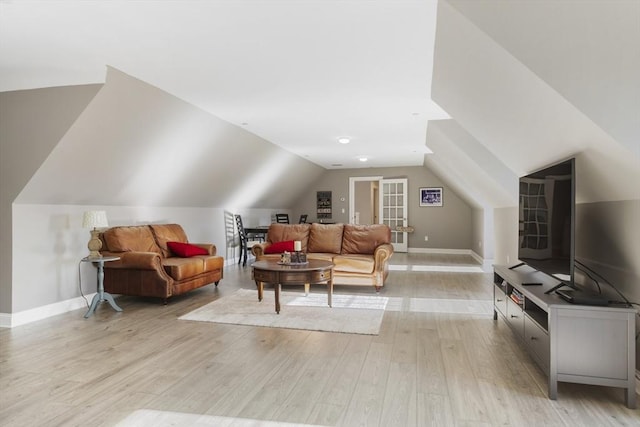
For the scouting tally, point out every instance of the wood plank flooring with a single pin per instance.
(423, 369)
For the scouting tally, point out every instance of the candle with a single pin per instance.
(297, 246)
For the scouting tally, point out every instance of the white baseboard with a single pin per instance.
(439, 251)
(487, 264)
(11, 320)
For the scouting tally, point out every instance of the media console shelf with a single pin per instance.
(571, 343)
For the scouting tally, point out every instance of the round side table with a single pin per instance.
(101, 295)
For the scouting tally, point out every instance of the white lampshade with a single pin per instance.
(95, 219)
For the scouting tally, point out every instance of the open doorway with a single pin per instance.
(375, 200)
(364, 200)
(367, 210)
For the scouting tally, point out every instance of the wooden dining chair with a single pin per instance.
(245, 243)
(282, 218)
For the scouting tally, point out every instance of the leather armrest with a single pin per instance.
(135, 260)
(382, 254)
(258, 249)
(208, 246)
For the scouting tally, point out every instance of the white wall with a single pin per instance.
(31, 124)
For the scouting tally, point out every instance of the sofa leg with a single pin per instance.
(216, 283)
(165, 301)
(377, 288)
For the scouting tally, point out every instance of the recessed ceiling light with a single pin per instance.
(362, 159)
(344, 140)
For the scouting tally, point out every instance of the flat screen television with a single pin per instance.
(546, 227)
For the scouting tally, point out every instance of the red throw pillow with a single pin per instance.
(186, 250)
(279, 247)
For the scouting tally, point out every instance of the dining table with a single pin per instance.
(260, 231)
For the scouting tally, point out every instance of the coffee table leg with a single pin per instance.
(277, 293)
(260, 286)
(330, 291)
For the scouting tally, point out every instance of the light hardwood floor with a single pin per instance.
(424, 368)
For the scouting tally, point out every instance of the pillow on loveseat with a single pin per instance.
(279, 247)
(168, 233)
(325, 238)
(186, 250)
(130, 239)
(364, 239)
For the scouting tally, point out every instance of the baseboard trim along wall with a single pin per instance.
(10, 320)
(487, 264)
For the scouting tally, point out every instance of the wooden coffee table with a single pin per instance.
(311, 273)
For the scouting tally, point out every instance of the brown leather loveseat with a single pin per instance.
(360, 253)
(149, 267)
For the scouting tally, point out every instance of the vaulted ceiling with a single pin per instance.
(525, 83)
(299, 74)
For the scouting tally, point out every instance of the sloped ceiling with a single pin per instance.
(588, 51)
(527, 83)
(521, 119)
(468, 167)
(135, 145)
(297, 73)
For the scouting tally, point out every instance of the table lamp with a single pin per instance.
(94, 220)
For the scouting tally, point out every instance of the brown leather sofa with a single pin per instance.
(147, 267)
(360, 253)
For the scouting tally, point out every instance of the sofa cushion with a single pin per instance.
(279, 247)
(185, 250)
(213, 262)
(183, 268)
(131, 239)
(284, 232)
(364, 239)
(325, 238)
(168, 233)
(354, 263)
(320, 256)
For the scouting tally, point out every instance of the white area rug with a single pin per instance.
(153, 418)
(354, 314)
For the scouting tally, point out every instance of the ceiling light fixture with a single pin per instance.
(344, 140)
(362, 159)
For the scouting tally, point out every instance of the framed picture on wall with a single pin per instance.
(431, 196)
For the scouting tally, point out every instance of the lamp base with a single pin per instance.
(94, 245)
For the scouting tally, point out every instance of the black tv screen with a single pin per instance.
(547, 220)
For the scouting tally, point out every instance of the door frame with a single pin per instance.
(352, 191)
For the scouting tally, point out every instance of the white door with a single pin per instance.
(393, 210)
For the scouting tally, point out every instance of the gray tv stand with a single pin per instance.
(571, 343)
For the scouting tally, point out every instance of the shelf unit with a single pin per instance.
(571, 343)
